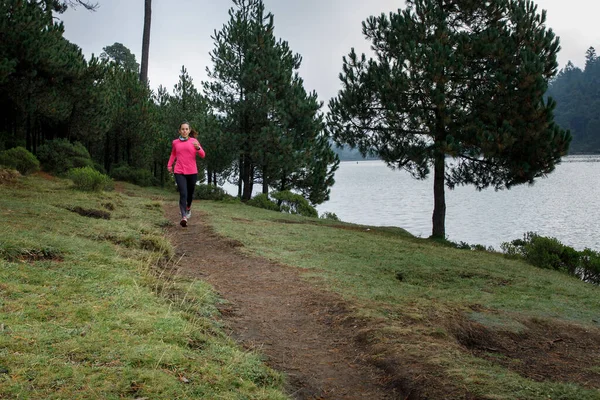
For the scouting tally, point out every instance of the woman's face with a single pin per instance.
(184, 130)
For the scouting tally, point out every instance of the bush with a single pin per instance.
(262, 201)
(88, 179)
(550, 253)
(294, 204)
(330, 216)
(59, 156)
(140, 177)
(589, 269)
(462, 245)
(543, 252)
(209, 192)
(20, 159)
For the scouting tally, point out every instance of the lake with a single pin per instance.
(563, 205)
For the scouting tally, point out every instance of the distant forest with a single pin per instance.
(577, 94)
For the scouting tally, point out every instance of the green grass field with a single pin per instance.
(90, 308)
(87, 310)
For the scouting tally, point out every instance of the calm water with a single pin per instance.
(563, 205)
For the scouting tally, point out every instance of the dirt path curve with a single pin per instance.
(305, 333)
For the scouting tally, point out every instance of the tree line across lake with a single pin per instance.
(457, 80)
(577, 93)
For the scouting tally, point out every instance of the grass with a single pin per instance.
(422, 295)
(90, 308)
(363, 264)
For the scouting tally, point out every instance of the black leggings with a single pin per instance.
(186, 185)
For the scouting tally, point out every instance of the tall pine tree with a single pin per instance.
(455, 86)
(255, 87)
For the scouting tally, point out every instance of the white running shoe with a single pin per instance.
(183, 222)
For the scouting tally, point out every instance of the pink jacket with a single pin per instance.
(185, 153)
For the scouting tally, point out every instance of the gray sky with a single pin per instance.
(322, 31)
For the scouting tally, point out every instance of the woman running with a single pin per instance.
(184, 151)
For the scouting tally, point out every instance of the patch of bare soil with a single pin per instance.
(89, 212)
(304, 332)
(544, 351)
(8, 176)
(45, 175)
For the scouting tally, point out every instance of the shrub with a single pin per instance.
(20, 159)
(231, 199)
(330, 216)
(544, 252)
(462, 245)
(589, 266)
(137, 176)
(209, 192)
(88, 179)
(59, 156)
(294, 204)
(262, 201)
(550, 253)
(480, 247)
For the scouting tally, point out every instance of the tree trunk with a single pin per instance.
(248, 180)
(146, 41)
(240, 175)
(439, 197)
(283, 183)
(439, 165)
(265, 184)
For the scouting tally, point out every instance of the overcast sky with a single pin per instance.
(321, 31)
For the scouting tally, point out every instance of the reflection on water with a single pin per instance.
(562, 205)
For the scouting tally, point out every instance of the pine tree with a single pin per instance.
(255, 86)
(39, 73)
(231, 90)
(462, 80)
(190, 104)
(128, 141)
(120, 55)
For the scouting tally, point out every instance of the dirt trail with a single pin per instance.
(305, 333)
